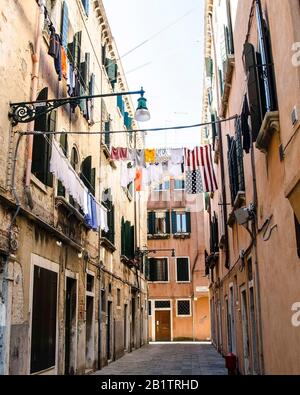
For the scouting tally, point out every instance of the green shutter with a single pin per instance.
(77, 49)
(168, 230)
(112, 70)
(188, 222)
(86, 172)
(132, 249)
(122, 236)
(65, 25)
(120, 104)
(174, 222)
(151, 222)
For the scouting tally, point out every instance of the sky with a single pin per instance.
(169, 66)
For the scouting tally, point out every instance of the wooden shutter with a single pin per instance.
(77, 49)
(112, 70)
(85, 72)
(122, 236)
(132, 251)
(65, 25)
(39, 141)
(120, 104)
(168, 229)
(86, 172)
(253, 89)
(93, 181)
(151, 222)
(174, 222)
(188, 222)
(86, 6)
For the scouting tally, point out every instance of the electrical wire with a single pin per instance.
(157, 33)
(136, 130)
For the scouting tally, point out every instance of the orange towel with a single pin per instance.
(64, 63)
(138, 179)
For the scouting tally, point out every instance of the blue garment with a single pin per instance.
(95, 224)
(89, 216)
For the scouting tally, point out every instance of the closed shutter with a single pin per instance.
(168, 229)
(93, 181)
(112, 70)
(127, 121)
(253, 89)
(174, 222)
(65, 25)
(131, 255)
(151, 222)
(85, 72)
(209, 67)
(188, 222)
(77, 49)
(213, 127)
(92, 85)
(120, 104)
(39, 141)
(239, 156)
(122, 236)
(86, 6)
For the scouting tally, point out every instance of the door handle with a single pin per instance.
(157, 323)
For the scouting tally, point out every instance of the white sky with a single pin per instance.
(172, 62)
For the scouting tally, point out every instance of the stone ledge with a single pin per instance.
(269, 126)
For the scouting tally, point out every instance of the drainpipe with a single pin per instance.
(34, 88)
(257, 278)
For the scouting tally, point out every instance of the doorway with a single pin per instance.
(70, 326)
(162, 325)
(245, 331)
(125, 326)
(108, 331)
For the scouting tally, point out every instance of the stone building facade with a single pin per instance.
(178, 289)
(252, 222)
(72, 299)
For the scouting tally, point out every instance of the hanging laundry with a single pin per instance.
(176, 170)
(245, 126)
(198, 163)
(137, 156)
(177, 155)
(64, 63)
(155, 173)
(162, 155)
(193, 182)
(55, 52)
(119, 153)
(150, 155)
(138, 179)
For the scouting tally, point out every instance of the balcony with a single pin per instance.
(269, 127)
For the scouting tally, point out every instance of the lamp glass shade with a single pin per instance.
(142, 113)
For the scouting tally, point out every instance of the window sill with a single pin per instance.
(158, 236)
(269, 127)
(182, 235)
(61, 201)
(34, 180)
(107, 244)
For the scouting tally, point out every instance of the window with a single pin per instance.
(163, 187)
(181, 222)
(297, 225)
(183, 270)
(184, 308)
(107, 202)
(64, 25)
(149, 308)
(118, 297)
(127, 239)
(235, 163)
(89, 283)
(158, 269)
(159, 223)
(214, 234)
(41, 153)
(43, 332)
(162, 304)
(179, 185)
(88, 174)
(103, 300)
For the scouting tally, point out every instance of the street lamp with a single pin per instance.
(142, 113)
(24, 112)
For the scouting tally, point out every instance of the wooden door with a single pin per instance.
(162, 325)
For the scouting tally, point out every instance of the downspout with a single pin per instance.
(34, 88)
(257, 278)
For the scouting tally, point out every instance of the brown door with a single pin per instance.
(162, 325)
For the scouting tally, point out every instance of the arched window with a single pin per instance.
(74, 159)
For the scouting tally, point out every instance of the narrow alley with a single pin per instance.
(175, 358)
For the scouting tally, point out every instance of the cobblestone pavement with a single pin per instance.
(169, 359)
